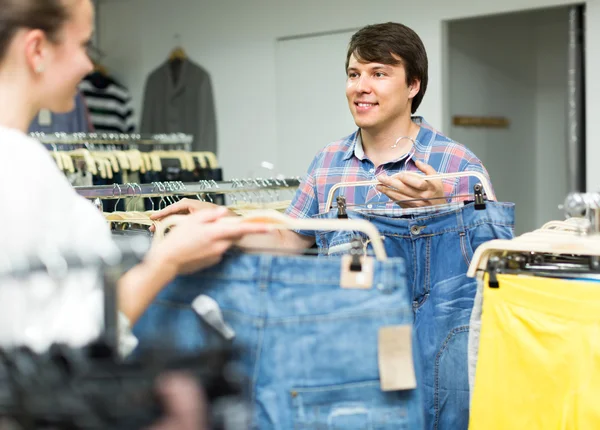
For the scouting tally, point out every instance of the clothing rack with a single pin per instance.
(176, 139)
(584, 205)
(163, 189)
(57, 263)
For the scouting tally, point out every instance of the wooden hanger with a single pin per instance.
(484, 182)
(280, 221)
(177, 54)
(68, 164)
(89, 160)
(185, 159)
(201, 159)
(109, 156)
(155, 161)
(59, 160)
(123, 159)
(545, 242)
(210, 157)
(99, 68)
(572, 224)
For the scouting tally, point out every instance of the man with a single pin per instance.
(386, 66)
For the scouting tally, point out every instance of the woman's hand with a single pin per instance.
(199, 242)
(183, 207)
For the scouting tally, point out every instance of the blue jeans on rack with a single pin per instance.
(311, 347)
(437, 245)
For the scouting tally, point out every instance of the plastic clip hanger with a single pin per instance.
(487, 189)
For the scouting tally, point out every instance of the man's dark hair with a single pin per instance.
(392, 43)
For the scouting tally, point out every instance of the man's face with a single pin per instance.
(377, 93)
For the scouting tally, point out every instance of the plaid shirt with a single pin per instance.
(345, 161)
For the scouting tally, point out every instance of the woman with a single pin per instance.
(42, 59)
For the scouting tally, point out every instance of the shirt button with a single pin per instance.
(372, 171)
(369, 206)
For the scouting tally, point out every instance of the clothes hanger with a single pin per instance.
(571, 224)
(58, 160)
(67, 161)
(109, 168)
(178, 53)
(123, 159)
(484, 182)
(99, 68)
(211, 158)
(101, 168)
(200, 158)
(281, 221)
(555, 244)
(109, 156)
(136, 163)
(185, 159)
(87, 157)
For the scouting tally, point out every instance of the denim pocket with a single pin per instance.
(465, 247)
(472, 238)
(352, 406)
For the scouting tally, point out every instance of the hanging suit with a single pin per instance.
(181, 101)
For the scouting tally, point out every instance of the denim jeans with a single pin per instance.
(437, 246)
(311, 347)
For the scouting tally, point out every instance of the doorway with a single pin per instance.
(515, 67)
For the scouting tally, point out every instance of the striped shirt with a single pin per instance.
(345, 161)
(109, 104)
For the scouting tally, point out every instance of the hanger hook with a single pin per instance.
(152, 198)
(161, 188)
(119, 188)
(139, 196)
(128, 204)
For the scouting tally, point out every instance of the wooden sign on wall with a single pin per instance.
(480, 121)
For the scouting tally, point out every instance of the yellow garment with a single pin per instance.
(539, 356)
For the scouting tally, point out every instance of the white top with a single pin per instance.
(39, 213)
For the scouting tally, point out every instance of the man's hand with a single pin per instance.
(409, 187)
(199, 242)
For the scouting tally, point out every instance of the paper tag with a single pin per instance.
(44, 117)
(362, 279)
(396, 367)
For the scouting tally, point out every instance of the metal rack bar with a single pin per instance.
(161, 189)
(113, 138)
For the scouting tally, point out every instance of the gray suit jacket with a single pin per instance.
(186, 106)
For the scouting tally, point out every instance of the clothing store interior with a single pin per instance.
(299, 215)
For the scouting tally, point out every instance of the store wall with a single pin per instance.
(514, 66)
(236, 42)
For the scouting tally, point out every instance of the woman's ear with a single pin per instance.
(35, 42)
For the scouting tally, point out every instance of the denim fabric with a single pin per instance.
(474, 333)
(311, 346)
(437, 246)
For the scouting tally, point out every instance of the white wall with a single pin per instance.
(492, 73)
(551, 103)
(236, 42)
(514, 65)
